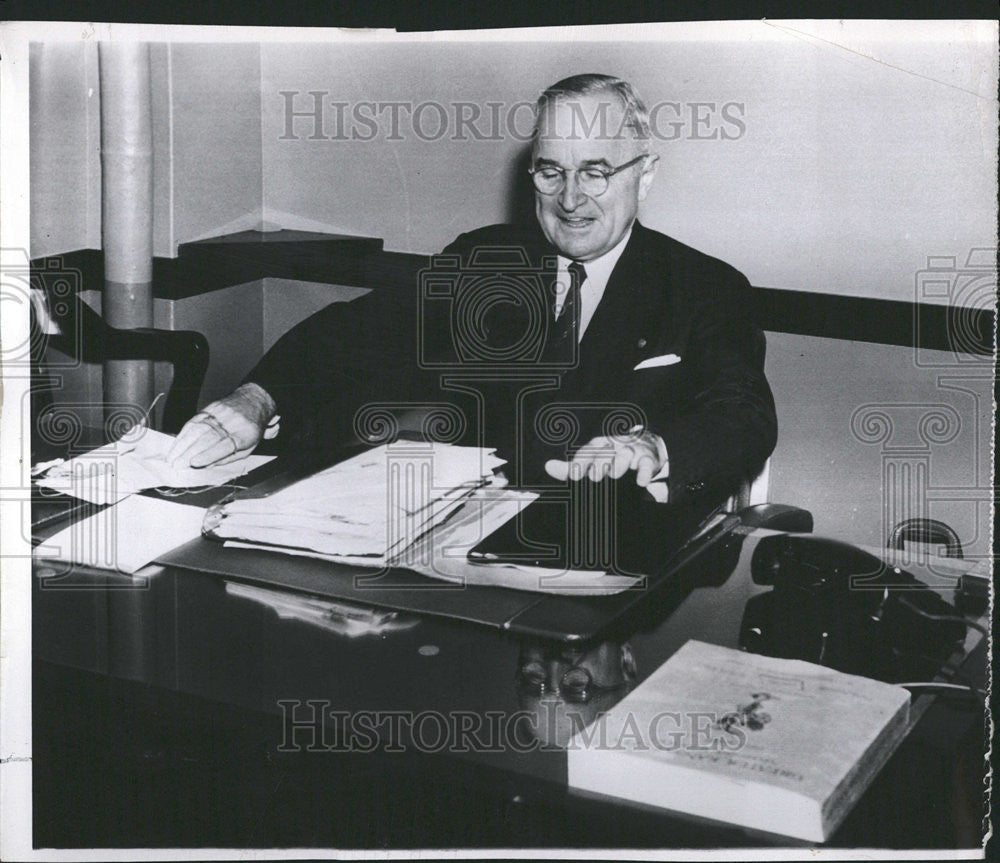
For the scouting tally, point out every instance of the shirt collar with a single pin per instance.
(599, 269)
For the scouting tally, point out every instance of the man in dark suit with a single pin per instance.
(584, 346)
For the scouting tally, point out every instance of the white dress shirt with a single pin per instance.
(598, 273)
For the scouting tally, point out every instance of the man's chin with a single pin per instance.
(580, 245)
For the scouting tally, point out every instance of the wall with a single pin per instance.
(64, 129)
(234, 334)
(206, 179)
(207, 170)
(214, 133)
(864, 425)
(850, 172)
(845, 174)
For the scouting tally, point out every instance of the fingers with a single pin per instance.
(235, 455)
(194, 437)
(645, 467)
(608, 457)
(215, 452)
(622, 463)
(204, 440)
(574, 469)
(223, 432)
(601, 465)
(557, 469)
(594, 461)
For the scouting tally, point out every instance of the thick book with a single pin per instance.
(776, 745)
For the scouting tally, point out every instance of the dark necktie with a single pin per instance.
(568, 322)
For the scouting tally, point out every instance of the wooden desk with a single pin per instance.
(160, 698)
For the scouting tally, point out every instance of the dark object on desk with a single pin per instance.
(839, 606)
(609, 526)
(52, 510)
(972, 593)
(553, 617)
(929, 531)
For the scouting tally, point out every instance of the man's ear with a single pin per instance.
(646, 178)
(629, 668)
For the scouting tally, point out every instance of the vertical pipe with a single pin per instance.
(127, 213)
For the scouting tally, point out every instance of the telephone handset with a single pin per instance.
(838, 605)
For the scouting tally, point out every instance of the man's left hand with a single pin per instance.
(644, 452)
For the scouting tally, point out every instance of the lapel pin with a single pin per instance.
(642, 343)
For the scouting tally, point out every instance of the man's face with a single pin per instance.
(586, 131)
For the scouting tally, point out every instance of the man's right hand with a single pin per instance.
(226, 430)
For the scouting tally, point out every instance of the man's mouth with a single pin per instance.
(577, 222)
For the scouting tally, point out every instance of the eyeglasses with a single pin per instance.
(592, 181)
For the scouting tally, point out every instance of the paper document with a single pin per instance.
(126, 536)
(367, 508)
(134, 463)
(418, 506)
(442, 552)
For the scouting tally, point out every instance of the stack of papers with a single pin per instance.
(442, 552)
(133, 463)
(366, 510)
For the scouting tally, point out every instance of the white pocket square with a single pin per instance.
(653, 362)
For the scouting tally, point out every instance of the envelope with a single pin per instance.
(662, 360)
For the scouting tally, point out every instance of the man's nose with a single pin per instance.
(553, 675)
(571, 197)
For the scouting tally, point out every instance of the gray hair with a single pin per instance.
(636, 114)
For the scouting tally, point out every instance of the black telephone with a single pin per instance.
(840, 606)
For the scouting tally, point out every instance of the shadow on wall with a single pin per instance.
(521, 198)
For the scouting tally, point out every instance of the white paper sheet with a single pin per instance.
(134, 463)
(126, 536)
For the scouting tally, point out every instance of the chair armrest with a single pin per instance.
(186, 350)
(94, 341)
(777, 516)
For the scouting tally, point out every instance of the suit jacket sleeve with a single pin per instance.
(727, 427)
(325, 369)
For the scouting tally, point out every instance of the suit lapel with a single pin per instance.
(631, 305)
